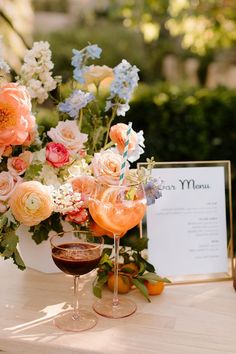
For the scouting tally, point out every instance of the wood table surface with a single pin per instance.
(185, 319)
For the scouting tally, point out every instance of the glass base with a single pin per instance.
(124, 308)
(66, 322)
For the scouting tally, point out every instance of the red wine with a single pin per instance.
(73, 259)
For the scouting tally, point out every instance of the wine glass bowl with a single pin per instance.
(76, 253)
(117, 208)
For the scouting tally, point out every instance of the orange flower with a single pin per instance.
(16, 120)
(118, 135)
(31, 203)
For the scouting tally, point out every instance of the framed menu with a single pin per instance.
(190, 227)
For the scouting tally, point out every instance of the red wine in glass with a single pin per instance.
(69, 258)
(76, 253)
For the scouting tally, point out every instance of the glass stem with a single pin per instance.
(115, 300)
(75, 315)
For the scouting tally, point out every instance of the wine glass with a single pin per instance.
(116, 208)
(76, 253)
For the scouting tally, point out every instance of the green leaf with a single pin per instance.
(98, 285)
(149, 266)
(33, 171)
(41, 231)
(106, 260)
(9, 243)
(153, 278)
(141, 287)
(18, 260)
(135, 242)
(55, 222)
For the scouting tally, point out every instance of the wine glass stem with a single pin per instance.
(115, 300)
(75, 315)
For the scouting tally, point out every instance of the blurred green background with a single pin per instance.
(185, 50)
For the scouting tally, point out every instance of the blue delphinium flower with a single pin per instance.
(75, 102)
(79, 59)
(152, 190)
(123, 85)
(93, 51)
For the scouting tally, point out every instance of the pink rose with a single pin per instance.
(107, 166)
(16, 120)
(31, 203)
(57, 154)
(8, 183)
(18, 164)
(68, 134)
(78, 216)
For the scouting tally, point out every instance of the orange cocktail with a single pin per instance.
(117, 209)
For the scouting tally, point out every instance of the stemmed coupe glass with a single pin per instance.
(116, 208)
(76, 253)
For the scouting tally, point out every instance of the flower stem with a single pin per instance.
(80, 119)
(109, 124)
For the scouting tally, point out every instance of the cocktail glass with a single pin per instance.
(76, 253)
(117, 209)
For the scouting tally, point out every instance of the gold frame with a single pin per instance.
(204, 278)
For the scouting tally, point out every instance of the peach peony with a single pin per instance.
(31, 203)
(118, 135)
(16, 120)
(18, 164)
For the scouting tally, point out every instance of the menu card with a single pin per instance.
(187, 227)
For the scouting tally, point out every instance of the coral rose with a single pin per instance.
(96, 73)
(78, 216)
(68, 134)
(57, 154)
(16, 120)
(118, 135)
(107, 166)
(31, 203)
(18, 164)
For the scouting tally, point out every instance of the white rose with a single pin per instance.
(68, 134)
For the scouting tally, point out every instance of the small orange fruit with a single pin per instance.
(123, 283)
(155, 289)
(130, 268)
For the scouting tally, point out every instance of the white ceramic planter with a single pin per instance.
(37, 257)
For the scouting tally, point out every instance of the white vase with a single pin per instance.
(37, 257)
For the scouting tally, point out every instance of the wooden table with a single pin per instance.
(191, 319)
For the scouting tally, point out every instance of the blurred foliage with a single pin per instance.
(116, 41)
(50, 6)
(201, 25)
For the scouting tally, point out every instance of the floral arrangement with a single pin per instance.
(45, 176)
